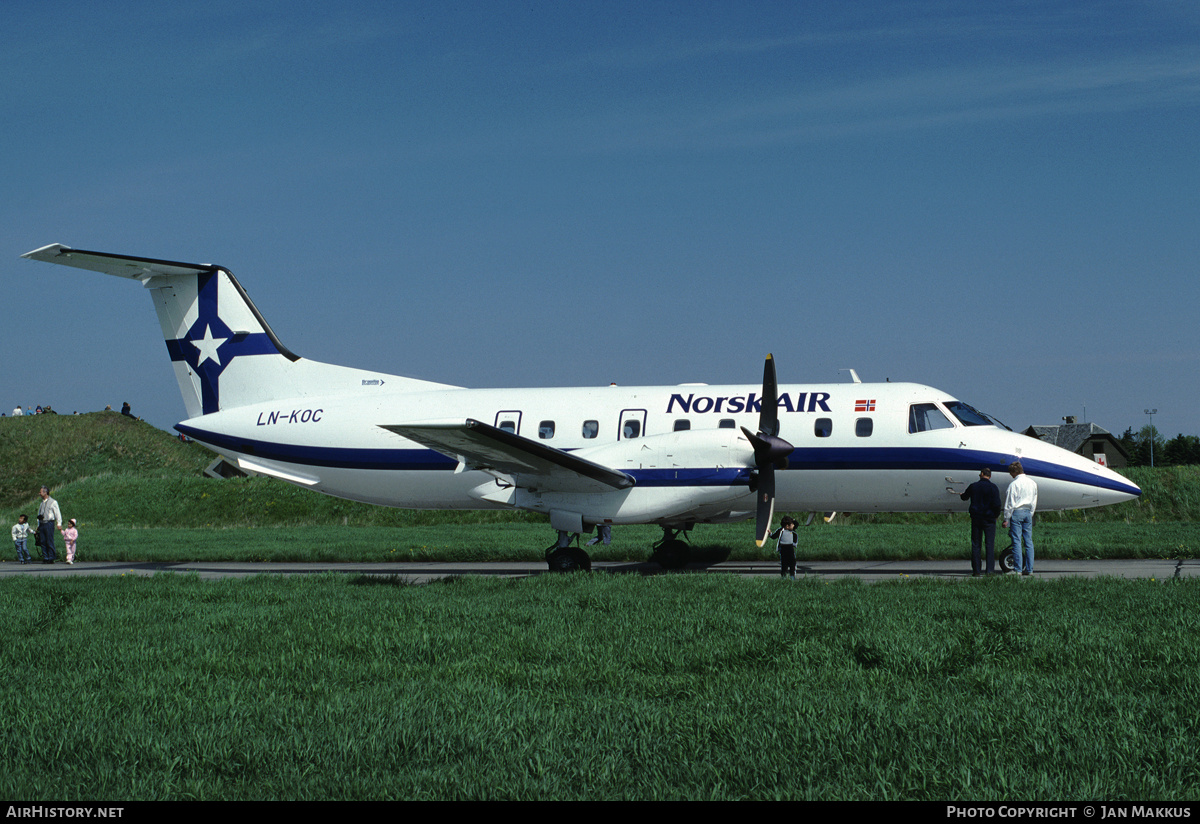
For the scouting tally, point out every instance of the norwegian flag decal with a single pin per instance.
(864, 406)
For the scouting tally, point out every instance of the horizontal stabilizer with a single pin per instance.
(531, 464)
(135, 268)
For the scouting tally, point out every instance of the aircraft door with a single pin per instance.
(509, 421)
(633, 424)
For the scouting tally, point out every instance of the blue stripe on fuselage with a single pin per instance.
(331, 456)
(867, 459)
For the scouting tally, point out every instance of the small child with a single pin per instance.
(786, 548)
(70, 535)
(20, 534)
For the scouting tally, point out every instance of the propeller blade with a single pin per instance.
(765, 498)
(768, 417)
(770, 453)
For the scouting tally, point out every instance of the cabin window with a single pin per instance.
(823, 428)
(923, 417)
(633, 424)
(683, 425)
(546, 430)
(863, 427)
(591, 429)
(509, 426)
(727, 423)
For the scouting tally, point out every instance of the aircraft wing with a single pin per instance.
(533, 465)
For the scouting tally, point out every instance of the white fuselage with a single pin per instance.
(336, 444)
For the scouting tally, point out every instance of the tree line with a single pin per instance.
(1179, 451)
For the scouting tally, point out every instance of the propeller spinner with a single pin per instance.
(770, 452)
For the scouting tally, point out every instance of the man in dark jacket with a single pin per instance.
(985, 508)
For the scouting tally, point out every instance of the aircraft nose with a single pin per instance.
(1116, 488)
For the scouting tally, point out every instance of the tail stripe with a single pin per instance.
(210, 345)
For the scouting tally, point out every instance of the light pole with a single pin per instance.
(1151, 413)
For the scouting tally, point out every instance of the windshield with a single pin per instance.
(970, 416)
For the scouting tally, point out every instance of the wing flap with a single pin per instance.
(531, 464)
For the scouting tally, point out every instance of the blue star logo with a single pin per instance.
(209, 345)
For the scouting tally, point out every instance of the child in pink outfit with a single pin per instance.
(70, 535)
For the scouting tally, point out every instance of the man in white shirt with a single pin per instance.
(1019, 506)
(49, 519)
(18, 412)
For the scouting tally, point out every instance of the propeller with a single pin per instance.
(770, 452)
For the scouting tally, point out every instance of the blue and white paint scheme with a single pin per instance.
(668, 455)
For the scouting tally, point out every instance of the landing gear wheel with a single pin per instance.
(569, 559)
(671, 554)
(1006, 561)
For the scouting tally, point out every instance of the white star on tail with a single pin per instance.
(208, 346)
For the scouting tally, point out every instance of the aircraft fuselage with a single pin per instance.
(853, 449)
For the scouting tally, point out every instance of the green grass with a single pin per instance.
(527, 542)
(599, 687)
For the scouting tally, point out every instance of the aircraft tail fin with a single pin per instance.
(224, 353)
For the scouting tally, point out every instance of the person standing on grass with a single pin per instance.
(70, 536)
(603, 533)
(20, 535)
(1019, 506)
(985, 508)
(49, 519)
(786, 546)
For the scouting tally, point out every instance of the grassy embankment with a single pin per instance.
(139, 494)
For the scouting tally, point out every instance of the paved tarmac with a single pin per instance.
(866, 571)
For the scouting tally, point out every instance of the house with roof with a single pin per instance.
(1085, 439)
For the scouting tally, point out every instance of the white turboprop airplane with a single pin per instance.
(673, 456)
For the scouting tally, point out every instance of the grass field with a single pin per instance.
(599, 687)
(526, 542)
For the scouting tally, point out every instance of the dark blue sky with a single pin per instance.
(998, 199)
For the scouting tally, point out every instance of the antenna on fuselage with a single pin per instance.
(853, 374)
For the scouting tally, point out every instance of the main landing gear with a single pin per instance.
(671, 552)
(562, 557)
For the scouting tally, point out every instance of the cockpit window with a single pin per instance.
(922, 417)
(968, 415)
